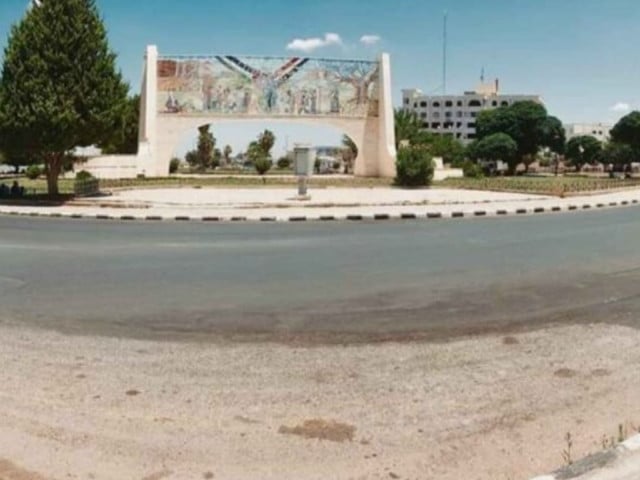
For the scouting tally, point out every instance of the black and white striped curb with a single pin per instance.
(409, 215)
(599, 460)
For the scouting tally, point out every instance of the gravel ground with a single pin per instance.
(491, 407)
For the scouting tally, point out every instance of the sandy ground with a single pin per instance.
(490, 407)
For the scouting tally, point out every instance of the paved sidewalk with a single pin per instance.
(266, 204)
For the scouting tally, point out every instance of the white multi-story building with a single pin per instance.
(599, 130)
(456, 114)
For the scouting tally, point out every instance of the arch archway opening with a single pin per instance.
(237, 144)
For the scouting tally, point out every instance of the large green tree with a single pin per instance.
(627, 132)
(527, 123)
(582, 150)
(619, 154)
(125, 134)
(498, 146)
(60, 88)
(554, 135)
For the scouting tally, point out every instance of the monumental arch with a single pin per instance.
(181, 93)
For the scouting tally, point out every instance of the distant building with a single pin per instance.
(601, 131)
(456, 114)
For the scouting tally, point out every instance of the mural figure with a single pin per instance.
(335, 101)
(172, 104)
(273, 86)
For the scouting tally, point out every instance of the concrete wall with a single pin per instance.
(112, 166)
(444, 173)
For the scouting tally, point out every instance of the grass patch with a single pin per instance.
(38, 187)
(559, 186)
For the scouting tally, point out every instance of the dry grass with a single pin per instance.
(322, 430)
(565, 373)
(10, 471)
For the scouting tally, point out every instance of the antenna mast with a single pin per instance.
(444, 54)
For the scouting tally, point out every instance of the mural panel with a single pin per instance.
(231, 85)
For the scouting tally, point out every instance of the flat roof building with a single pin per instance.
(456, 114)
(601, 131)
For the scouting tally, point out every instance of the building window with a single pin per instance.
(459, 103)
(448, 103)
(447, 114)
(436, 114)
(471, 125)
(475, 103)
(425, 124)
(423, 115)
(406, 101)
(435, 125)
(494, 104)
(423, 104)
(459, 125)
(436, 104)
(471, 136)
(504, 103)
(415, 105)
(473, 114)
(459, 114)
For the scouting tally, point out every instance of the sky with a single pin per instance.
(580, 56)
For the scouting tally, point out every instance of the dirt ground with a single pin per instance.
(490, 407)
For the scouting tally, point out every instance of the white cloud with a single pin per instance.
(369, 39)
(621, 107)
(310, 44)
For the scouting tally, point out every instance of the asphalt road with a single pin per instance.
(330, 282)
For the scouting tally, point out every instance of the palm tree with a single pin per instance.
(349, 153)
(407, 126)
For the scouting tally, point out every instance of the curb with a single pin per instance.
(380, 216)
(596, 461)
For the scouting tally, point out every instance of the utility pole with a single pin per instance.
(444, 54)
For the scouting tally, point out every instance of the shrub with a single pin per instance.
(33, 172)
(174, 165)
(283, 163)
(414, 167)
(472, 169)
(262, 165)
(83, 175)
